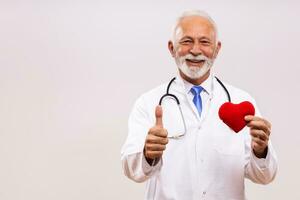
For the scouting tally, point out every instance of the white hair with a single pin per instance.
(177, 30)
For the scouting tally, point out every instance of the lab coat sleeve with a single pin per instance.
(137, 168)
(260, 170)
(134, 162)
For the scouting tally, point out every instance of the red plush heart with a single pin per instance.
(233, 114)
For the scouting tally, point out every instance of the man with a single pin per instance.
(209, 160)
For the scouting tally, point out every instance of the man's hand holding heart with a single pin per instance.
(237, 116)
(260, 130)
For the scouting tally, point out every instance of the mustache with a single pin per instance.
(198, 57)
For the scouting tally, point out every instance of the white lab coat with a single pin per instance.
(209, 162)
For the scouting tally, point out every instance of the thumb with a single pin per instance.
(158, 116)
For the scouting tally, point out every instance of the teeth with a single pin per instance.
(195, 61)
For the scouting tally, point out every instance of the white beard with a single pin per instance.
(194, 72)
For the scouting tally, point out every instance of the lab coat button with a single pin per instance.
(204, 192)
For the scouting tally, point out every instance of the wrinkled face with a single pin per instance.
(195, 46)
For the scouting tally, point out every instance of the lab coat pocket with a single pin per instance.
(173, 119)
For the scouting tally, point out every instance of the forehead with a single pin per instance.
(196, 26)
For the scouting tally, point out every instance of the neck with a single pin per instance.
(197, 81)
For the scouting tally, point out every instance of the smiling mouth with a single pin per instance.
(195, 61)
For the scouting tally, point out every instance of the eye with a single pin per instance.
(186, 42)
(205, 42)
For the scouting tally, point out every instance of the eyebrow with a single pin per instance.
(190, 38)
(186, 37)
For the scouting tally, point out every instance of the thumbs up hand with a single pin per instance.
(156, 139)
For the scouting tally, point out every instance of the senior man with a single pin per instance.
(188, 152)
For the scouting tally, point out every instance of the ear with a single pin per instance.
(218, 49)
(171, 48)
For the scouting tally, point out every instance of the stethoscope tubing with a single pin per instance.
(168, 94)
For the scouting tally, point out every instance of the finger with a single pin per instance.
(153, 154)
(259, 143)
(253, 117)
(155, 147)
(158, 131)
(259, 134)
(158, 116)
(259, 124)
(153, 139)
(248, 118)
(257, 148)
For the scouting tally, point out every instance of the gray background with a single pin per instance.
(70, 72)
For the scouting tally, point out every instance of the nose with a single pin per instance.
(196, 49)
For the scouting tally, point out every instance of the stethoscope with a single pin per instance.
(172, 96)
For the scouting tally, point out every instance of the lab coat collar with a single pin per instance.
(207, 84)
